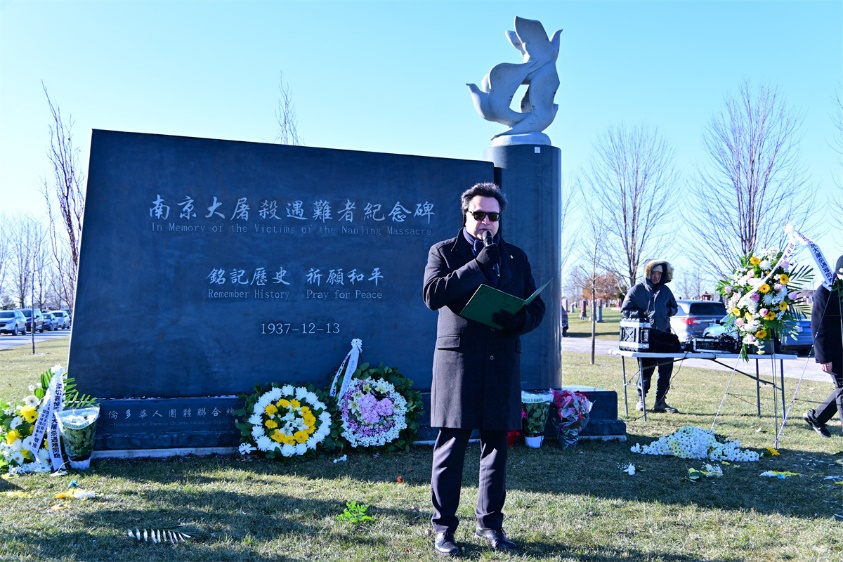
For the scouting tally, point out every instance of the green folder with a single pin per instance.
(486, 301)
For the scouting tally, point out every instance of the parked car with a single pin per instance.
(62, 318)
(50, 322)
(39, 319)
(564, 322)
(803, 342)
(695, 316)
(12, 322)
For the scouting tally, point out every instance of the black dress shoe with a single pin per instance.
(496, 539)
(445, 544)
(664, 407)
(816, 425)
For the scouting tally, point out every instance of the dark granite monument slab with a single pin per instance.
(209, 266)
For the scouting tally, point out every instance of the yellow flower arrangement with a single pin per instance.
(284, 421)
(761, 295)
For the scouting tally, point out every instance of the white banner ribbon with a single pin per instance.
(819, 259)
(347, 368)
(52, 402)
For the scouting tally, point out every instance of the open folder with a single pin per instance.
(486, 301)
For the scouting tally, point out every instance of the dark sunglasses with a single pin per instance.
(480, 215)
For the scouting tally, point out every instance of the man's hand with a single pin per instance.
(826, 367)
(510, 322)
(489, 256)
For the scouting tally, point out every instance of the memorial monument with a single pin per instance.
(208, 266)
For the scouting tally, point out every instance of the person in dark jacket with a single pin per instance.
(652, 300)
(827, 330)
(476, 369)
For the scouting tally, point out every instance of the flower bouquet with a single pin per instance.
(536, 407)
(762, 294)
(572, 413)
(19, 453)
(78, 427)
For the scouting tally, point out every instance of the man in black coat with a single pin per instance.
(827, 330)
(476, 369)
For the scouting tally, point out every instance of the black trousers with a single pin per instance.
(834, 402)
(446, 478)
(648, 365)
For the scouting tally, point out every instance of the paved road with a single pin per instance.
(792, 369)
(8, 341)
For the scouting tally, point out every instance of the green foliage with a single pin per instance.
(355, 513)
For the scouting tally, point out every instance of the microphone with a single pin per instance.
(487, 239)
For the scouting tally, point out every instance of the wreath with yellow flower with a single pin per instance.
(284, 420)
(763, 294)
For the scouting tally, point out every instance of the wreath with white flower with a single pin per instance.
(373, 413)
(290, 421)
(363, 411)
(692, 442)
(762, 295)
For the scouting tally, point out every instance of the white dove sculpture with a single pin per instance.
(538, 71)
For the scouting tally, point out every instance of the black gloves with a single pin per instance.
(510, 322)
(489, 256)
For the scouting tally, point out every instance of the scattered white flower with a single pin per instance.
(246, 448)
(694, 443)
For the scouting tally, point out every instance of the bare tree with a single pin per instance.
(632, 183)
(285, 115)
(754, 184)
(27, 244)
(5, 255)
(593, 253)
(66, 190)
(690, 284)
(837, 146)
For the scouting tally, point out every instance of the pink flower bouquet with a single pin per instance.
(572, 412)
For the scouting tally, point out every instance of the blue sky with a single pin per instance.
(390, 76)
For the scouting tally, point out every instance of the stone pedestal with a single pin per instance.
(603, 423)
(530, 176)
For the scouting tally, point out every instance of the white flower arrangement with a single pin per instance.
(286, 420)
(373, 413)
(761, 295)
(692, 442)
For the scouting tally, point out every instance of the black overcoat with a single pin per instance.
(825, 325)
(476, 369)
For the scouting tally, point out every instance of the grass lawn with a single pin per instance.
(563, 504)
(608, 329)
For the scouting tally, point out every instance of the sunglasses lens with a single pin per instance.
(480, 215)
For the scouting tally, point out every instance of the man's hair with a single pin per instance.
(486, 189)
